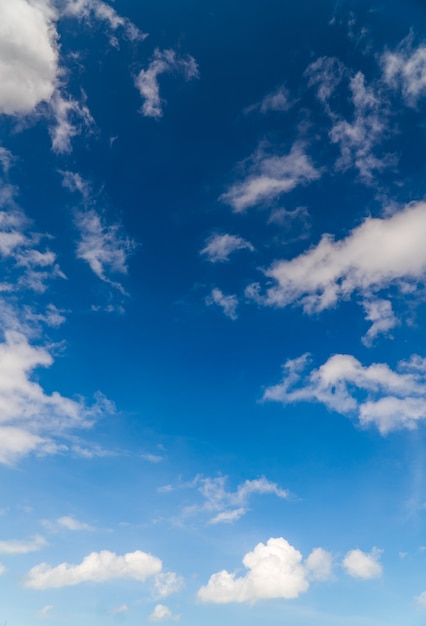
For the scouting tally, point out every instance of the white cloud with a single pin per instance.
(421, 599)
(71, 523)
(166, 583)
(228, 517)
(30, 418)
(97, 567)
(358, 136)
(389, 399)
(101, 11)
(45, 611)
(163, 62)
(278, 100)
(319, 564)
(270, 176)
(230, 506)
(162, 613)
(219, 247)
(75, 183)
(16, 546)
(3, 569)
(405, 70)
(333, 270)
(275, 570)
(228, 304)
(383, 319)
(103, 246)
(70, 117)
(365, 565)
(28, 55)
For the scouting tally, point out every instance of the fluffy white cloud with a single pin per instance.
(275, 570)
(103, 246)
(390, 399)
(28, 55)
(270, 176)
(30, 418)
(405, 70)
(421, 599)
(97, 567)
(228, 304)
(163, 62)
(362, 564)
(334, 270)
(17, 546)
(162, 613)
(218, 248)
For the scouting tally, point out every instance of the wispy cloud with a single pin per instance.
(163, 62)
(17, 546)
(218, 248)
(374, 394)
(404, 70)
(358, 135)
(228, 303)
(227, 506)
(162, 613)
(103, 246)
(267, 176)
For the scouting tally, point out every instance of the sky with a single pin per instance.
(212, 362)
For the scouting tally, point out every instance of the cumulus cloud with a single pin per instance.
(28, 55)
(365, 565)
(163, 62)
(218, 248)
(269, 176)
(17, 546)
(228, 304)
(375, 394)
(97, 567)
(404, 70)
(30, 418)
(103, 246)
(275, 570)
(333, 270)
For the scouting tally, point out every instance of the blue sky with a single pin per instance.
(212, 364)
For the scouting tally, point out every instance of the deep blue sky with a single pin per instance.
(212, 373)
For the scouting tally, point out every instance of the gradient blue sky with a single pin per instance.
(212, 363)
